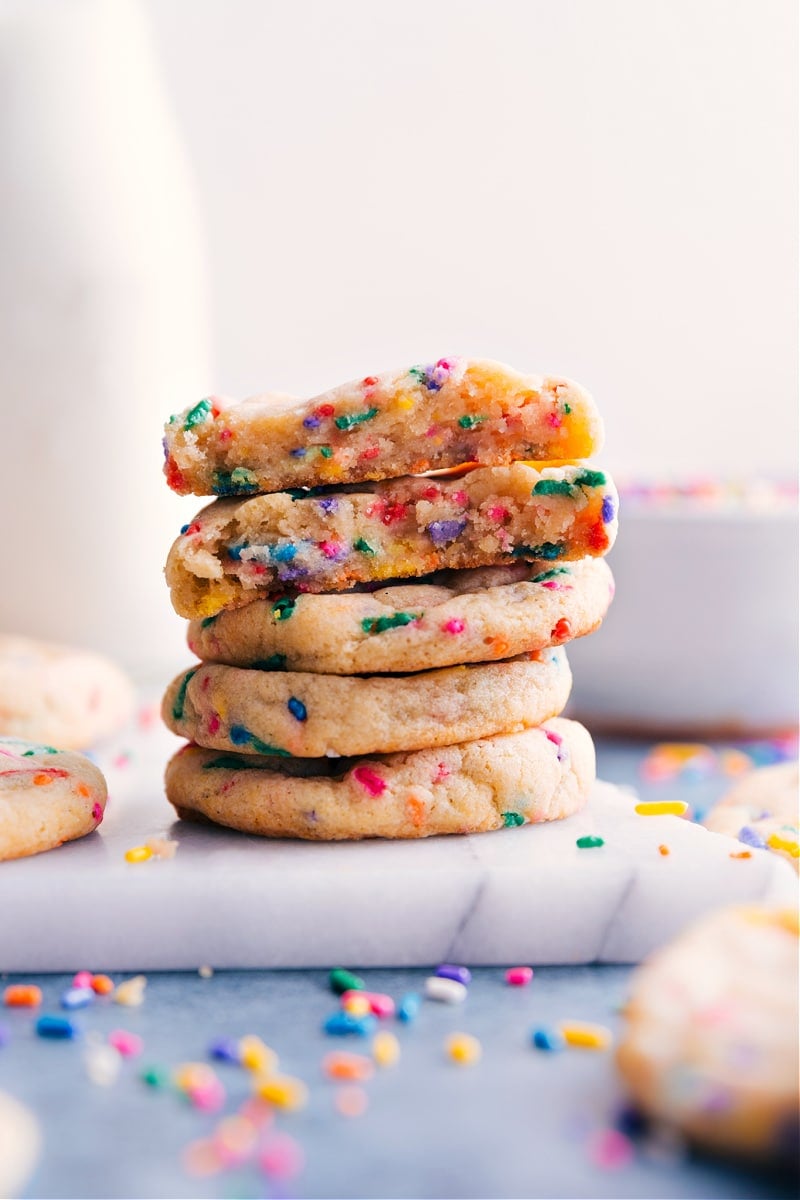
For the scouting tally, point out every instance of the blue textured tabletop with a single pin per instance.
(519, 1122)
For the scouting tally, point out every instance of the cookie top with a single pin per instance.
(477, 615)
(297, 713)
(20, 1145)
(403, 422)
(60, 695)
(711, 1037)
(327, 541)
(763, 810)
(47, 797)
(507, 781)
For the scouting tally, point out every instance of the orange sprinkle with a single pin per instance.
(339, 1064)
(662, 849)
(22, 995)
(102, 985)
(741, 854)
(416, 810)
(41, 780)
(82, 790)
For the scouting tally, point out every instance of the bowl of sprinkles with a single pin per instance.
(702, 635)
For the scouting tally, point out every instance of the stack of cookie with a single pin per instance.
(381, 649)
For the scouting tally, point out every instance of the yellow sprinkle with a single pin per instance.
(789, 845)
(254, 1055)
(591, 1037)
(404, 402)
(130, 992)
(385, 1049)
(658, 808)
(283, 1091)
(138, 854)
(356, 1006)
(463, 1048)
(190, 1076)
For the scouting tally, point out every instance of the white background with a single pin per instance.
(601, 188)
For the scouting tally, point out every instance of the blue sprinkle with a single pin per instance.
(77, 997)
(297, 708)
(239, 735)
(55, 1027)
(751, 838)
(312, 422)
(408, 1007)
(609, 510)
(548, 1039)
(224, 1050)
(460, 974)
(298, 453)
(235, 552)
(283, 553)
(342, 1024)
(441, 532)
(184, 528)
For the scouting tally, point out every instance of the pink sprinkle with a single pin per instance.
(83, 979)
(441, 773)
(380, 1005)
(610, 1148)
(519, 976)
(371, 782)
(454, 625)
(554, 420)
(551, 585)
(210, 1098)
(129, 1045)
(97, 812)
(445, 363)
(556, 738)
(459, 497)
(281, 1157)
(434, 429)
(330, 549)
(213, 723)
(121, 760)
(225, 435)
(498, 513)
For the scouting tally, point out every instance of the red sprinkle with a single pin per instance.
(561, 630)
(324, 410)
(431, 493)
(554, 420)
(369, 381)
(459, 497)
(225, 435)
(555, 738)
(395, 512)
(371, 782)
(498, 513)
(442, 772)
(213, 723)
(174, 478)
(193, 528)
(598, 538)
(370, 452)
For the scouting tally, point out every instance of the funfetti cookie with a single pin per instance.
(427, 416)
(59, 694)
(711, 1038)
(237, 550)
(47, 797)
(762, 810)
(538, 775)
(296, 713)
(452, 617)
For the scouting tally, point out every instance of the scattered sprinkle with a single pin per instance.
(385, 1049)
(463, 1048)
(130, 992)
(589, 1037)
(519, 976)
(340, 1064)
(548, 1039)
(55, 1028)
(450, 971)
(138, 854)
(659, 808)
(341, 981)
(589, 842)
(448, 991)
(284, 1091)
(408, 1008)
(351, 1101)
(22, 995)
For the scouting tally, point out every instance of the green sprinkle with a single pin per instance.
(590, 479)
(467, 422)
(283, 609)
(342, 981)
(180, 698)
(230, 762)
(239, 482)
(206, 621)
(418, 373)
(197, 414)
(364, 547)
(553, 487)
(326, 452)
(567, 409)
(547, 550)
(349, 420)
(551, 574)
(39, 750)
(511, 820)
(266, 748)
(589, 843)
(155, 1077)
(297, 493)
(275, 662)
(381, 624)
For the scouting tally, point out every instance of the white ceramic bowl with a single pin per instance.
(701, 638)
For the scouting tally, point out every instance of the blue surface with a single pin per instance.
(521, 1123)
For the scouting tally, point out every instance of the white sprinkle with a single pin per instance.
(449, 991)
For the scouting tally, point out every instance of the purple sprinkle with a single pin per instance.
(166, 448)
(751, 838)
(312, 422)
(441, 532)
(286, 573)
(328, 504)
(609, 509)
(298, 453)
(224, 1050)
(449, 971)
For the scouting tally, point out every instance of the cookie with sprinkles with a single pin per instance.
(506, 781)
(424, 417)
(477, 615)
(297, 713)
(710, 1043)
(47, 797)
(326, 541)
(762, 810)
